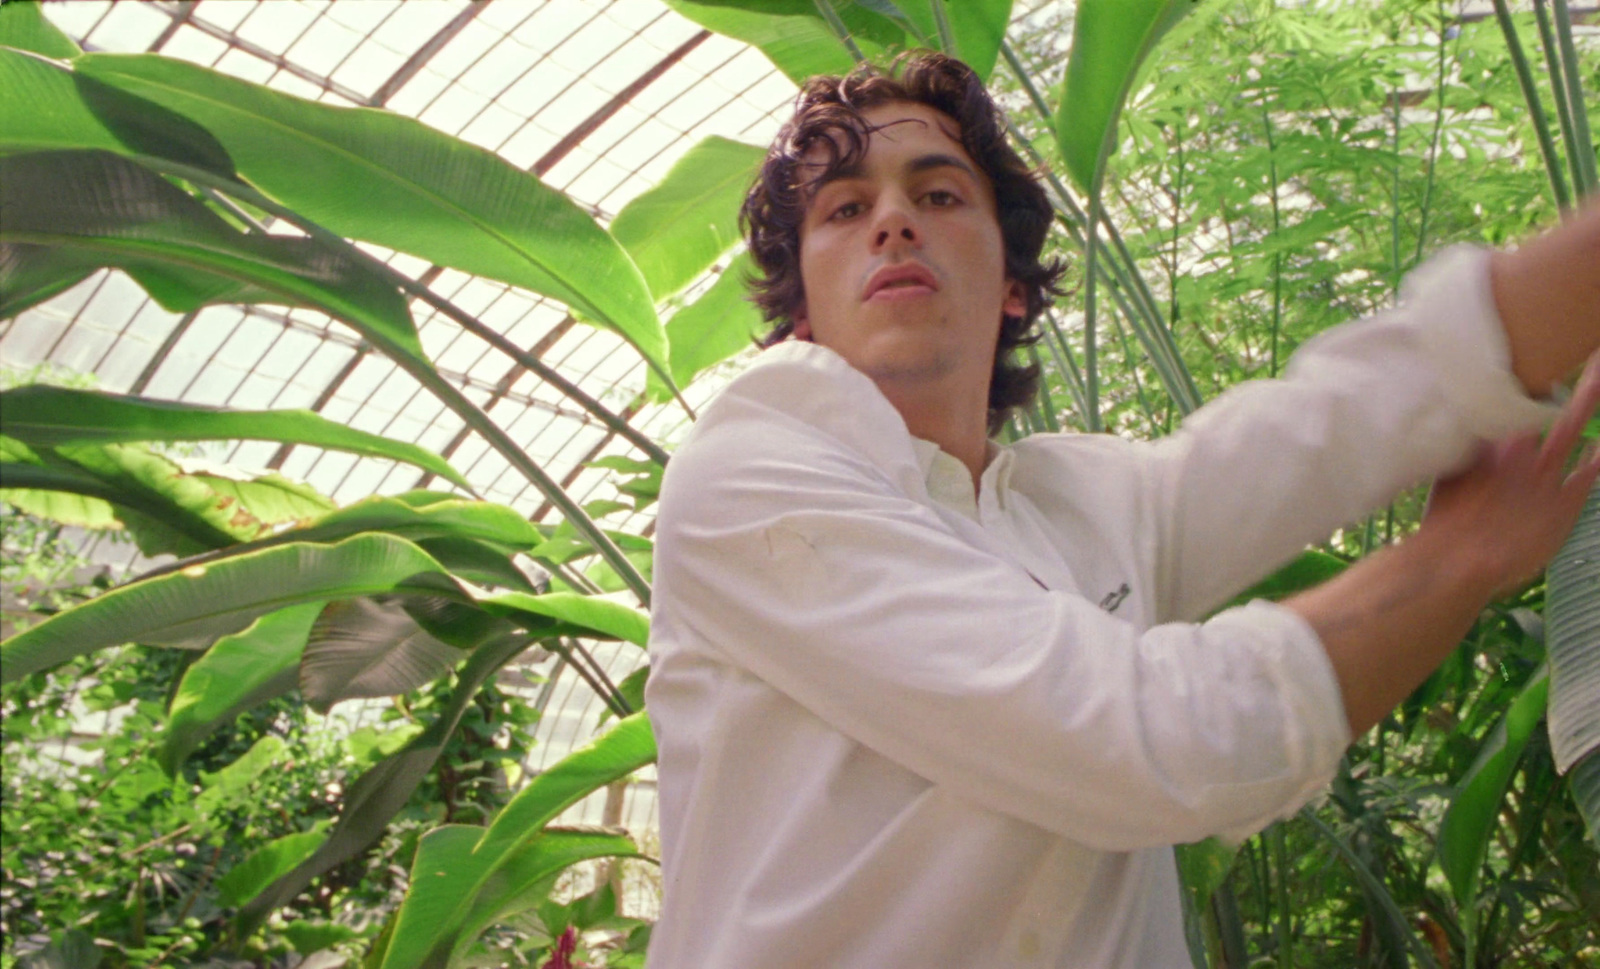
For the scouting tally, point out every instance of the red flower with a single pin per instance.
(561, 955)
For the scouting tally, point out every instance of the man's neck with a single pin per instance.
(958, 427)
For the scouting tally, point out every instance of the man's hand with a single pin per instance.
(1510, 512)
(1394, 616)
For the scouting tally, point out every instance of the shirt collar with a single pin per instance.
(949, 482)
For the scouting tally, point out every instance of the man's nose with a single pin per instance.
(895, 225)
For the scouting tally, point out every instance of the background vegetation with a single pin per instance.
(1278, 168)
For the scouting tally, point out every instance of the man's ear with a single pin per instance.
(1016, 301)
(802, 325)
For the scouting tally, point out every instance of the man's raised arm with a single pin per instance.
(1548, 295)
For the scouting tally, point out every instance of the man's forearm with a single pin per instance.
(1391, 618)
(1548, 296)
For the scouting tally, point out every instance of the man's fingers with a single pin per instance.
(1568, 428)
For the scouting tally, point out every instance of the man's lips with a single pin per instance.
(900, 281)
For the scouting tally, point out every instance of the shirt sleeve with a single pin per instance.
(801, 562)
(1364, 411)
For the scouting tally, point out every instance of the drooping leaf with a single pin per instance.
(29, 275)
(238, 673)
(631, 687)
(793, 34)
(193, 607)
(483, 563)
(976, 26)
(678, 228)
(1469, 821)
(369, 648)
(41, 415)
(369, 174)
(418, 516)
(616, 754)
(94, 201)
(1111, 40)
(231, 780)
(592, 615)
(385, 788)
(23, 26)
(165, 510)
(1584, 778)
(270, 499)
(51, 106)
(517, 884)
(267, 864)
(719, 324)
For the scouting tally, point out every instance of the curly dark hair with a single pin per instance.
(828, 115)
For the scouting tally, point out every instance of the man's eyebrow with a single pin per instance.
(921, 163)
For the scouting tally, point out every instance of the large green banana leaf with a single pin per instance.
(29, 275)
(51, 107)
(677, 229)
(164, 509)
(1110, 41)
(22, 26)
(193, 607)
(240, 671)
(423, 517)
(445, 865)
(369, 647)
(796, 36)
(379, 793)
(267, 864)
(427, 922)
(369, 174)
(713, 328)
(97, 202)
(46, 416)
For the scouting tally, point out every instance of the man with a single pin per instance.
(922, 700)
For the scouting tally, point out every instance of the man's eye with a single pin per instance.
(939, 198)
(849, 210)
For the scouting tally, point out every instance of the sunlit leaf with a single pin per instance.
(369, 174)
(41, 415)
(616, 754)
(717, 325)
(677, 229)
(266, 864)
(198, 604)
(1110, 41)
(24, 26)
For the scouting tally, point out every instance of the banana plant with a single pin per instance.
(1573, 609)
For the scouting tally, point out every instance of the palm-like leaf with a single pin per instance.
(373, 175)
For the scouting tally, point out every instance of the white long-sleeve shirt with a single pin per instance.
(901, 724)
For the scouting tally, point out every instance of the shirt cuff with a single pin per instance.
(1453, 310)
(1318, 732)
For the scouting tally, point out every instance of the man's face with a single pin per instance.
(902, 259)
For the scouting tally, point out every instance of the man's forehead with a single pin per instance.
(898, 122)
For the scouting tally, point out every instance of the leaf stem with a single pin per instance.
(1530, 93)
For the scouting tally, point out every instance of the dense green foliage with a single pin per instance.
(1232, 178)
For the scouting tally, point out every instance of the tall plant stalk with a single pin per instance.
(1530, 94)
